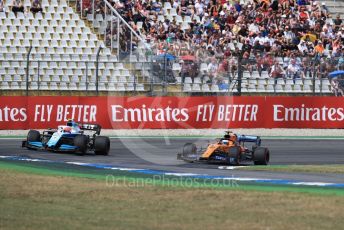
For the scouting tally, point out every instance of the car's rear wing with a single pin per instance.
(93, 127)
(246, 138)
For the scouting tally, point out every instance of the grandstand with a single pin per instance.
(63, 52)
(134, 39)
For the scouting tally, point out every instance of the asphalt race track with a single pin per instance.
(160, 154)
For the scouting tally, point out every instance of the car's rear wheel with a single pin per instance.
(234, 155)
(80, 141)
(261, 156)
(101, 145)
(33, 136)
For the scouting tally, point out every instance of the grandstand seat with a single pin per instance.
(187, 87)
(173, 12)
(205, 88)
(270, 88)
(214, 88)
(196, 87)
(53, 86)
(297, 88)
(43, 86)
(251, 88)
(33, 85)
(307, 88)
(265, 74)
(325, 89)
(121, 87)
(91, 86)
(288, 82)
(246, 75)
(82, 85)
(73, 86)
(308, 82)
(111, 86)
(102, 86)
(188, 80)
(288, 88)
(279, 88)
(298, 81)
(261, 88)
(140, 87)
(203, 67)
(22, 85)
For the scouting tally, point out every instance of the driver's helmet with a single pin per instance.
(71, 123)
(67, 129)
(225, 142)
(230, 136)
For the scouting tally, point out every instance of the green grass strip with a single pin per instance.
(206, 137)
(329, 168)
(137, 179)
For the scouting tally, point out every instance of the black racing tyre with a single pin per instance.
(33, 136)
(189, 149)
(261, 156)
(101, 145)
(80, 141)
(234, 154)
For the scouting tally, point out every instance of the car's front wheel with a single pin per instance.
(33, 136)
(80, 141)
(189, 152)
(234, 155)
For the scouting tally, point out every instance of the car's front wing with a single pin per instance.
(37, 145)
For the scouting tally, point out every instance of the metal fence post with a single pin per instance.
(38, 73)
(239, 74)
(150, 71)
(118, 46)
(86, 83)
(135, 84)
(97, 68)
(27, 70)
(81, 5)
(93, 12)
(106, 23)
(111, 32)
(164, 83)
(313, 77)
(229, 75)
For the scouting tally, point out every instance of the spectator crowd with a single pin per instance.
(286, 38)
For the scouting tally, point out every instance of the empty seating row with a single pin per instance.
(38, 18)
(260, 81)
(57, 57)
(63, 56)
(60, 66)
(72, 86)
(288, 81)
(78, 32)
(64, 21)
(187, 87)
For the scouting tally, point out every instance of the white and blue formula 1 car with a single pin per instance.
(69, 138)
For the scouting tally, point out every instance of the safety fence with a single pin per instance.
(168, 74)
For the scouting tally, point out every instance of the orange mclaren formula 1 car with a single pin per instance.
(230, 149)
